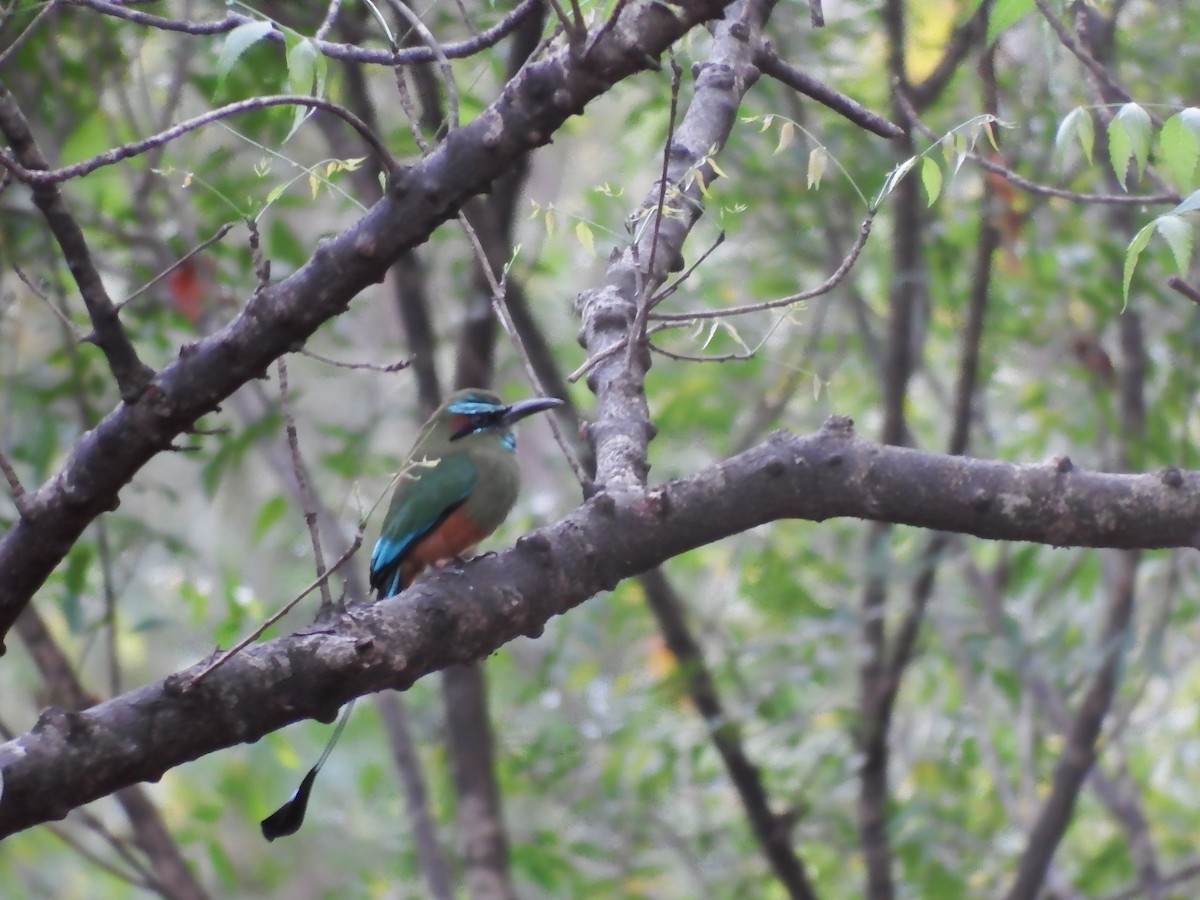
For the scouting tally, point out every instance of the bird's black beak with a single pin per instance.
(519, 410)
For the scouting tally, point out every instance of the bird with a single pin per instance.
(459, 482)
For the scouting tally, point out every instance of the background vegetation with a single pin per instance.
(970, 257)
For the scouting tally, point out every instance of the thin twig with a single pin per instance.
(21, 38)
(502, 313)
(306, 497)
(275, 617)
(1089, 62)
(14, 483)
(199, 248)
(606, 27)
(1045, 190)
(1178, 284)
(136, 148)
(692, 357)
(262, 265)
(592, 361)
(637, 329)
(577, 16)
(118, 844)
(343, 52)
(1171, 879)
(142, 880)
(331, 15)
(451, 118)
(671, 288)
(410, 111)
(825, 287)
(108, 334)
(672, 122)
(104, 552)
(41, 295)
(1032, 187)
(563, 18)
(370, 367)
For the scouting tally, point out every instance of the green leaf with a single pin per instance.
(1179, 143)
(79, 561)
(222, 864)
(276, 192)
(1136, 246)
(1180, 237)
(236, 43)
(1005, 14)
(1077, 125)
(269, 514)
(307, 70)
(1129, 138)
(931, 179)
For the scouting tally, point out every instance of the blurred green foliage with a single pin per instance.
(610, 782)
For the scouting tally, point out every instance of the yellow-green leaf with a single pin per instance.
(931, 179)
(818, 161)
(787, 132)
(583, 233)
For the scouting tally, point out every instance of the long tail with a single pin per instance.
(289, 817)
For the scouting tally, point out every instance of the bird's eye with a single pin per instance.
(477, 422)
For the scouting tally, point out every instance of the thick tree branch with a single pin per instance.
(614, 314)
(455, 616)
(284, 315)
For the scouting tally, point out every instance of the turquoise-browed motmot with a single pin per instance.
(459, 483)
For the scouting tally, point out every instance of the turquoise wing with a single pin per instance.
(428, 493)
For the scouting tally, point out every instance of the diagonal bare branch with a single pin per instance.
(283, 315)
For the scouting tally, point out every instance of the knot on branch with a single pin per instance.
(839, 427)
